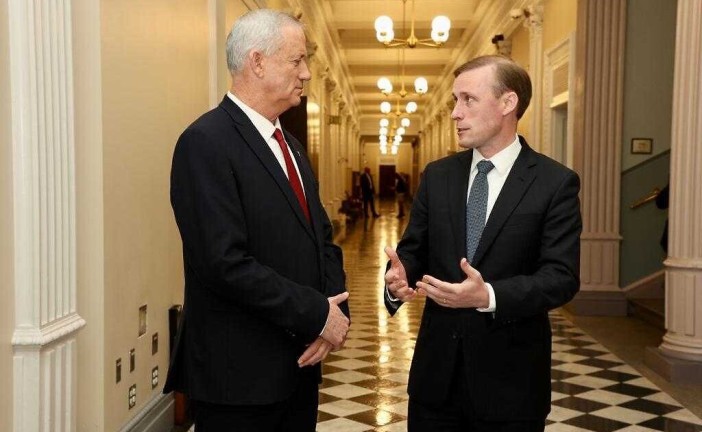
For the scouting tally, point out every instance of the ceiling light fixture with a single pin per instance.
(421, 86)
(385, 34)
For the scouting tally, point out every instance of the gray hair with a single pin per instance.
(256, 30)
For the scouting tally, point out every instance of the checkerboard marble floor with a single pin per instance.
(364, 387)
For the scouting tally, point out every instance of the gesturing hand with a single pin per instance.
(471, 293)
(337, 323)
(396, 278)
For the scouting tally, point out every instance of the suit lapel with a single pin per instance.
(457, 187)
(260, 148)
(309, 183)
(518, 181)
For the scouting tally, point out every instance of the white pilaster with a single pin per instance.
(535, 25)
(46, 322)
(598, 110)
(679, 358)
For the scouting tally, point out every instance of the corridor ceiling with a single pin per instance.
(367, 59)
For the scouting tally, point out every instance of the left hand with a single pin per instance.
(471, 293)
(315, 353)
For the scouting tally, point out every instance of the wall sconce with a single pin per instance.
(502, 46)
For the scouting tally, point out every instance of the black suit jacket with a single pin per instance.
(529, 252)
(367, 188)
(257, 273)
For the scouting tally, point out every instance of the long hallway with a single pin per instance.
(364, 386)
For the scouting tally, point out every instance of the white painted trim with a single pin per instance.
(157, 405)
(559, 100)
(562, 53)
(42, 130)
(213, 50)
(56, 330)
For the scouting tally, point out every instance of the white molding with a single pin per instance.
(213, 50)
(42, 130)
(44, 336)
(159, 399)
(561, 54)
(654, 279)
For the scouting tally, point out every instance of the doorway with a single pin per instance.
(386, 182)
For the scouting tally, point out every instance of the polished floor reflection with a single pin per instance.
(364, 386)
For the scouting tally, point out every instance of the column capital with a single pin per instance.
(534, 15)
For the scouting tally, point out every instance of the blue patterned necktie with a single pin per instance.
(477, 208)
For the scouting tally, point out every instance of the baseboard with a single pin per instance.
(157, 416)
(598, 303)
(651, 286)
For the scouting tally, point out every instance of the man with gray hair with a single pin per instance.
(265, 296)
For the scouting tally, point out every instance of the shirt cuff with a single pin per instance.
(492, 306)
(390, 297)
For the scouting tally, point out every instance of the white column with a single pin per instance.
(679, 357)
(598, 110)
(535, 25)
(326, 109)
(46, 322)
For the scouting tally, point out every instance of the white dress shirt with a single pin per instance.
(503, 162)
(266, 129)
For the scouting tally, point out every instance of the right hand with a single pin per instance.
(337, 323)
(396, 278)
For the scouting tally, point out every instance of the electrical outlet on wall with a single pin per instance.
(118, 370)
(132, 396)
(143, 321)
(154, 344)
(154, 377)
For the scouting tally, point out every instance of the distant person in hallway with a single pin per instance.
(265, 296)
(493, 242)
(368, 192)
(662, 202)
(400, 193)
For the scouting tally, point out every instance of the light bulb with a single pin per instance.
(439, 24)
(405, 122)
(383, 24)
(421, 85)
(384, 122)
(385, 107)
(385, 85)
(411, 107)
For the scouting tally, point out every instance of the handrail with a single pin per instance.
(648, 198)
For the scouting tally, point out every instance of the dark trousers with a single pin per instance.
(369, 201)
(298, 413)
(456, 414)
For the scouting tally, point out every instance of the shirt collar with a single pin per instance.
(502, 160)
(262, 124)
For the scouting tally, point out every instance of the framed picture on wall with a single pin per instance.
(641, 145)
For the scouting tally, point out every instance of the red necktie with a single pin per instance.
(292, 174)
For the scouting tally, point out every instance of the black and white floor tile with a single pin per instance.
(365, 384)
